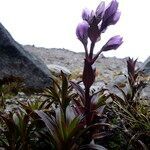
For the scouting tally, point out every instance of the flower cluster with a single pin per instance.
(93, 25)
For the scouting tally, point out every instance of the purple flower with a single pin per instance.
(100, 11)
(116, 17)
(87, 15)
(111, 15)
(113, 43)
(93, 31)
(82, 32)
(95, 23)
(111, 9)
(93, 19)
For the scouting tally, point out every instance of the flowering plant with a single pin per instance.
(93, 25)
(68, 116)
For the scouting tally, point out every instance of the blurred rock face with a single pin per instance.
(15, 62)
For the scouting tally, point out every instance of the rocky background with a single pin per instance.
(110, 70)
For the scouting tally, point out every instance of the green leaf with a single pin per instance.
(74, 126)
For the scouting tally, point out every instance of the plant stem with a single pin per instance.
(91, 50)
(86, 51)
(96, 56)
(87, 105)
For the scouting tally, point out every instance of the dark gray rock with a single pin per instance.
(145, 68)
(16, 62)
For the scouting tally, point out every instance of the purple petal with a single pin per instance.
(100, 11)
(113, 43)
(111, 16)
(111, 10)
(116, 17)
(114, 40)
(82, 32)
(87, 14)
(94, 31)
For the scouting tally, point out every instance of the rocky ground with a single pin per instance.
(110, 70)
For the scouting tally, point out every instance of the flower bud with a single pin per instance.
(116, 17)
(111, 9)
(100, 11)
(93, 31)
(82, 32)
(87, 15)
(111, 15)
(113, 43)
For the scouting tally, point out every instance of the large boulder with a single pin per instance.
(18, 63)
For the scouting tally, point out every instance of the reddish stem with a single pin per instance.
(86, 52)
(87, 105)
(96, 56)
(91, 50)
